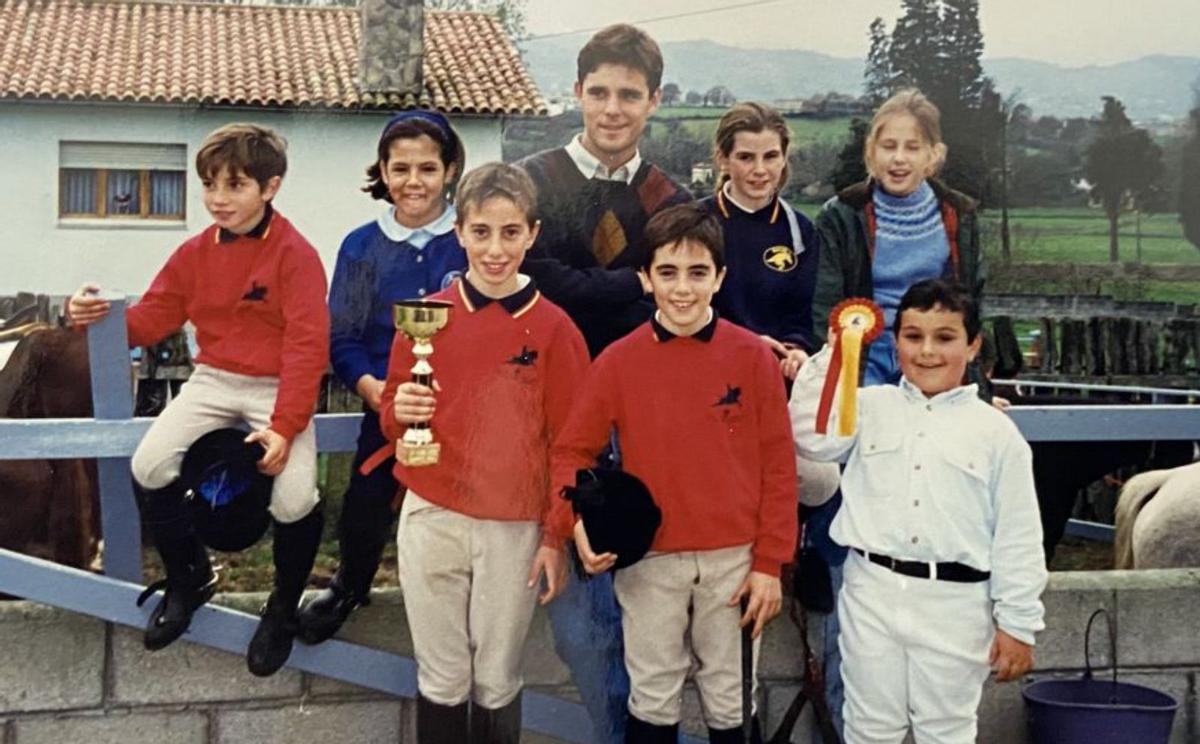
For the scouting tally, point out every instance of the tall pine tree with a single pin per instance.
(961, 74)
(915, 51)
(877, 78)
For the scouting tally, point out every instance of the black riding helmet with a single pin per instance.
(227, 494)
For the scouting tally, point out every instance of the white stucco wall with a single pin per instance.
(327, 156)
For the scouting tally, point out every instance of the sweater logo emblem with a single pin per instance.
(732, 397)
(780, 258)
(257, 293)
(449, 278)
(526, 358)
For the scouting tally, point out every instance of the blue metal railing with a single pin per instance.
(113, 436)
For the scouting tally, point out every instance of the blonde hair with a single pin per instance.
(929, 120)
(753, 117)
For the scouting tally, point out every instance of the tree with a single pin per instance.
(693, 98)
(1189, 179)
(850, 167)
(670, 94)
(877, 78)
(915, 48)
(511, 13)
(960, 75)
(719, 95)
(1123, 165)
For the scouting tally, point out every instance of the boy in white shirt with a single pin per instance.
(946, 567)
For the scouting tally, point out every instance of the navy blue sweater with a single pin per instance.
(373, 272)
(586, 257)
(769, 279)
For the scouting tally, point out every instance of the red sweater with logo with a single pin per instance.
(507, 376)
(704, 424)
(258, 305)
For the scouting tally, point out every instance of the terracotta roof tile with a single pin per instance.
(278, 56)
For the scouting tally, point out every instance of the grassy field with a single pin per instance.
(702, 122)
(1080, 235)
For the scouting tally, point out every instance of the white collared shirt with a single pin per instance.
(417, 237)
(591, 167)
(947, 478)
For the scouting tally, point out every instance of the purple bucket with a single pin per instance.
(1090, 711)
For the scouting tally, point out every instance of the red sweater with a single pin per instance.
(258, 305)
(507, 372)
(704, 424)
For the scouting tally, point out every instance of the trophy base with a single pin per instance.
(417, 455)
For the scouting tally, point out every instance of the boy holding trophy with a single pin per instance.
(475, 533)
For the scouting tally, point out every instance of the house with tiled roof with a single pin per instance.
(103, 104)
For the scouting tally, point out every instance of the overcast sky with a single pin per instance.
(1071, 32)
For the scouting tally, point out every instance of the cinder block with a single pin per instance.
(541, 663)
(52, 659)
(1175, 684)
(382, 625)
(1156, 619)
(311, 724)
(1002, 714)
(779, 655)
(116, 728)
(1070, 599)
(779, 697)
(188, 673)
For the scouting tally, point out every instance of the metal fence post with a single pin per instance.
(112, 398)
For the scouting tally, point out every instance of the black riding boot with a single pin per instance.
(190, 580)
(350, 588)
(295, 550)
(441, 724)
(362, 533)
(496, 725)
(638, 731)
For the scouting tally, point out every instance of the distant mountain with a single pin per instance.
(1154, 87)
(769, 74)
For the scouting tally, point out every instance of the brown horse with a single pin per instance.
(50, 507)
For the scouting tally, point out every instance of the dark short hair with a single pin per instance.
(685, 222)
(492, 180)
(947, 294)
(449, 144)
(257, 151)
(622, 44)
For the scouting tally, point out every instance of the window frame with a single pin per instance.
(79, 159)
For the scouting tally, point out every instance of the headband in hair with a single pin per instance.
(433, 117)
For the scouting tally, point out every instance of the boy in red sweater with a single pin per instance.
(474, 535)
(254, 289)
(702, 421)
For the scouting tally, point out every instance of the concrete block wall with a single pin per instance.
(66, 678)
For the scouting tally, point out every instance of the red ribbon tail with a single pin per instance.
(830, 388)
(379, 457)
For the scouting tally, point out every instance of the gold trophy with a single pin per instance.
(420, 320)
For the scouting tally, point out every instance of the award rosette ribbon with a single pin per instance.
(856, 322)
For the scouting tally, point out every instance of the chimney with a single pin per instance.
(393, 43)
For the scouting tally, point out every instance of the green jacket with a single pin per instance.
(844, 269)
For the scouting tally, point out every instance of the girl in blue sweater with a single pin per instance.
(409, 251)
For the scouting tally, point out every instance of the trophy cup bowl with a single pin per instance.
(419, 320)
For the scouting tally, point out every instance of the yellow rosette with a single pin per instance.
(856, 322)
